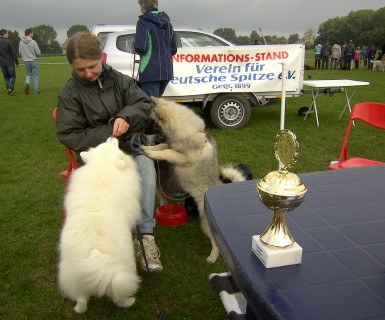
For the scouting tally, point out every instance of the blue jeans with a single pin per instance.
(9, 74)
(147, 173)
(32, 71)
(154, 89)
(325, 63)
(348, 62)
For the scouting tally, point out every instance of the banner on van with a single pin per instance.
(236, 69)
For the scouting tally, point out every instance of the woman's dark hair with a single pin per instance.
(83, 45)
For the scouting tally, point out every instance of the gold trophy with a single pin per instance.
(281, 191)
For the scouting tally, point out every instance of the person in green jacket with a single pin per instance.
(99, 102)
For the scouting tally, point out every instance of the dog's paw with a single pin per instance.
(80, 307)
(213, 257)
(146, 150)
(149, 153)
(211, 260)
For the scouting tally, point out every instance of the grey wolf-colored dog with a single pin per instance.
(192, 154)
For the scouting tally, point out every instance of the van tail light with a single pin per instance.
(104, 57)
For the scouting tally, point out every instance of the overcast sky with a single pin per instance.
(274, 17)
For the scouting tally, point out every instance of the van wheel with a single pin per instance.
(230, 111)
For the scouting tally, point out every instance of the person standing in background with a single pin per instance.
(317, 51)
(325, 54)
(348, 55)
(357, 57)
(371, 55)
(335, 56)
(363, 57)
(342, 60)
(155, 42)
(8, 61)
(29, 51)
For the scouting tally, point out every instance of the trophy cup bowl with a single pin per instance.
(280, 191)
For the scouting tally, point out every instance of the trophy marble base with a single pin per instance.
(272, 258)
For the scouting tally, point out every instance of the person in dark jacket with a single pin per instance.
(348, 55)
(155, 42)
(371, 55)
(8, 61)
(325, 55)
(98, 102)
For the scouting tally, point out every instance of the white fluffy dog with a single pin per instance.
(96, 245)
(376, 65)
(379, 65)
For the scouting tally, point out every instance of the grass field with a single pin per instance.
(31, 194)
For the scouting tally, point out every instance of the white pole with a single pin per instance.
(283, 102)
(283, 96)
(264, 40)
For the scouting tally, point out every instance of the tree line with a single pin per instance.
(364, 27)
(45, 36)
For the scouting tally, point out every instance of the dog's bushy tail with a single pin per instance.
(235, 173)
(102, 275)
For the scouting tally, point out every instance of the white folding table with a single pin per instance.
(339, 85)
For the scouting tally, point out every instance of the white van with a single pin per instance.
(224, 79)
(102, 30)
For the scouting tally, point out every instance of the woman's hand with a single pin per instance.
(120, 126)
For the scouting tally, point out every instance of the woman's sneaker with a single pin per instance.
(152, 254)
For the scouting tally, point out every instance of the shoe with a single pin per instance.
(10, 91)
(152, 254)
(26, 89)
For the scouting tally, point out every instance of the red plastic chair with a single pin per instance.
(72, 165)
(371, 113)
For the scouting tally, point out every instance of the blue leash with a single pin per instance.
(138, 139)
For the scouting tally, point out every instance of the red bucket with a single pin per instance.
(171, 215)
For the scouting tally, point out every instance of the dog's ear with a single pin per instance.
(84, 155)
(120, 164)
(113, 141)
